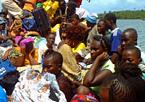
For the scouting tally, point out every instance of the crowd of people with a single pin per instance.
(55, 51)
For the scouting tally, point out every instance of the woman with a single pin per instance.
(70, 67)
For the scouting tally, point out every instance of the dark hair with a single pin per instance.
(75, 33)
(126, 85)
(75, 16)
(133, 32)
(106, 24)
(111, 17)
(56, 56)
(133, 48)
(104, 42)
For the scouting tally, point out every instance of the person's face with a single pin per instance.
(50, 66)
(101, 27)
(104, 94)
(109, 23)
(75, 21)
(127, 39)
(96, 49)
(50, 40)
(130, 56)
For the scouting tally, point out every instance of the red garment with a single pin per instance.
(79, 2)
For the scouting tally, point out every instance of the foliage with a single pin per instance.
(127, 14)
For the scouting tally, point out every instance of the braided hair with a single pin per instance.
(126, 85)
(103, 41)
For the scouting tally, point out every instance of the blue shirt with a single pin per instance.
(3, 96)
(115, 39)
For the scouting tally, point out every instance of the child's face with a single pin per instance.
(50, 40)
(50, 66)
(127, 39)
(96, 49)
(75, 21)
(130, 56)
(101, 27)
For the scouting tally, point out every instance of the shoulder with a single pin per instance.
(108, 65)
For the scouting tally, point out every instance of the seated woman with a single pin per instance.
(70, 67)
(101, 67)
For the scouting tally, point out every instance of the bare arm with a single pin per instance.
(94, 75)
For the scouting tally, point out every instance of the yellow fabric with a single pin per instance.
(28, 7)
(35, 56)
(70, 68)
(50, 7)
(79, 47)
(55, 28)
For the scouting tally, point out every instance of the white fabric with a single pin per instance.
(12, 8)
(35, 87)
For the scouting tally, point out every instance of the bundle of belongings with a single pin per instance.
(36, 87)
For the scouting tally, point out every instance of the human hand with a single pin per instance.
(103, 56)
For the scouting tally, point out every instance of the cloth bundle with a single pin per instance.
(35, 87)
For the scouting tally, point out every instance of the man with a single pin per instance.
(116, 33)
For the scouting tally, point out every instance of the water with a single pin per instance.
(139, 25)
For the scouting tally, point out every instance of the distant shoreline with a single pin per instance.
(127, 14)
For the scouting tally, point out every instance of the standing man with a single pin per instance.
(116, 33)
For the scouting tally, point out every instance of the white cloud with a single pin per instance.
(109, 5)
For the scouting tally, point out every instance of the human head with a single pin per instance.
(91, 20)
(99, 45)
(75, 35)
(75, 19)
(129, 37)
(52, 62)
(50, 40)
(102, 26)
(111, 19)
(131, 54)
(119, 87)
(63, 27)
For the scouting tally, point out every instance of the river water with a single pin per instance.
(139, 25)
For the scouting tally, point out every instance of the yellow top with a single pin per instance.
(55, 28)
(50, 7)
(79, 47)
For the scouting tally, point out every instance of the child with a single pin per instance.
(129, 38)
(52, 63)
(132, 54)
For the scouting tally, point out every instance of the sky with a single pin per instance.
(99, 6)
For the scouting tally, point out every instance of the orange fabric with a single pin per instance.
(28, 7)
